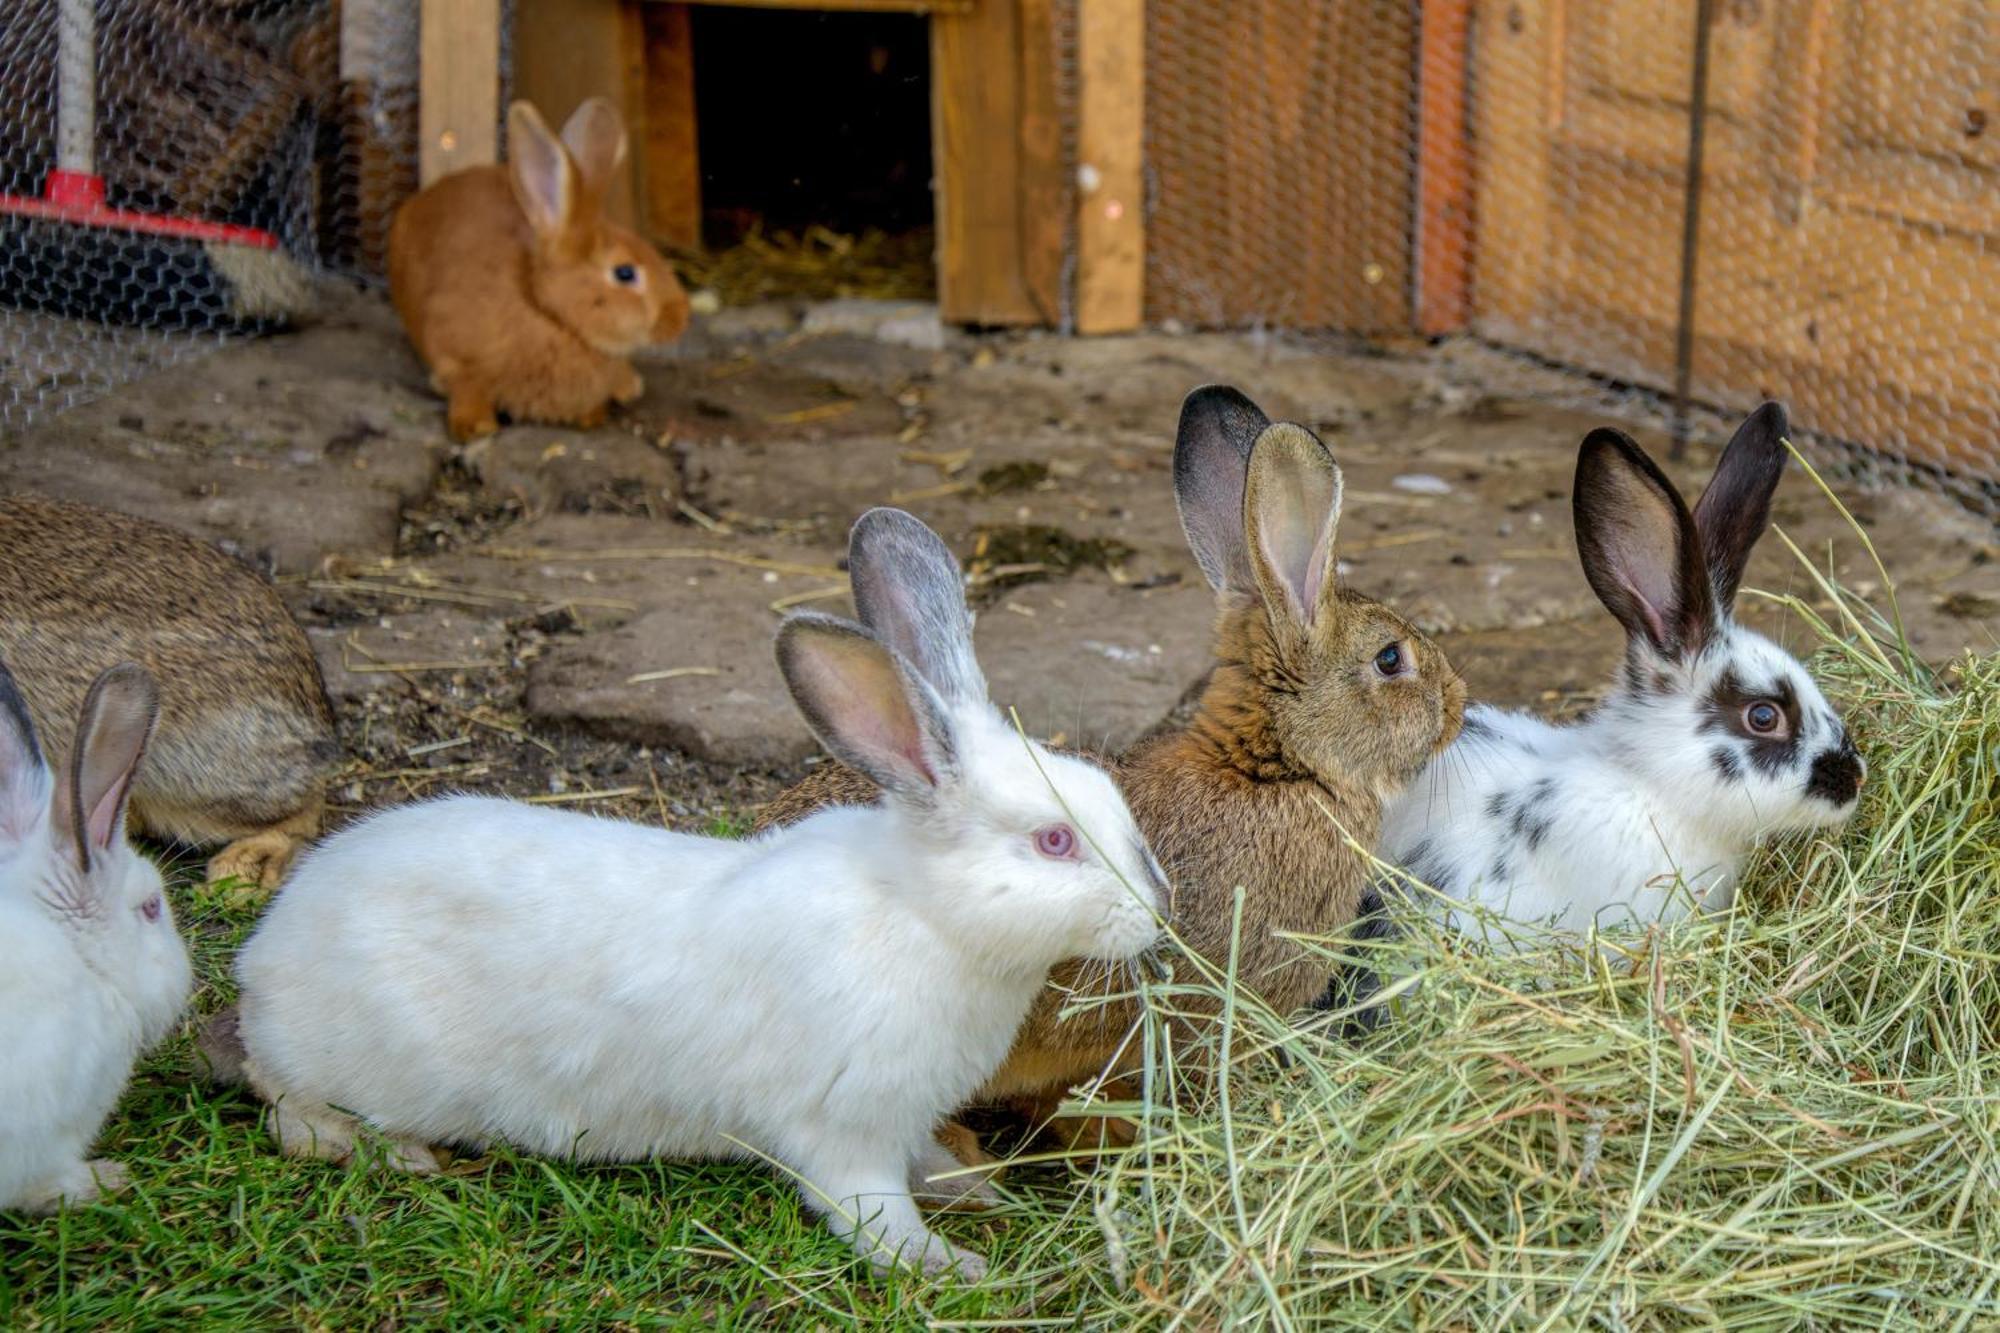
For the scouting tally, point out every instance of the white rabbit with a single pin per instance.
(92, 971)
(1712, 738)
(473, 969)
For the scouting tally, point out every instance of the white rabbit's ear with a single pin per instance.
(1211, 458)
(24, 777)
(1291, 509)
(1639, 547)
(909, 591)
(111, 734)
(539, 166)
(1733, 511)
(595, 137)
(868, 710)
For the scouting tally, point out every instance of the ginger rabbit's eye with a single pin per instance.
(625, 275)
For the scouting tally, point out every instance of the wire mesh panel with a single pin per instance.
(1518, 171)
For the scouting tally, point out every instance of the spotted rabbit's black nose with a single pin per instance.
(1837, 774)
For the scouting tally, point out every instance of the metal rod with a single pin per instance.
(1691, 230)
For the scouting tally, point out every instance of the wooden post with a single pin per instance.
(458, 117)
(669, 150)
(1444, 169)
(1110, 222)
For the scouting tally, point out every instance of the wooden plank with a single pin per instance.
(568, 50)
(1444, 169)
(975, 145)
(458, 119)
(1111, 221)
(1046, 202)
(669, 149)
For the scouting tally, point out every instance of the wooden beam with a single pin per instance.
(669, 151)
(1045, 178)
(975, 146)
(458, 117)
(1444, 168)
(1110, 219)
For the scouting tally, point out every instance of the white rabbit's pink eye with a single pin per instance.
(150, 909)
(1057, 841)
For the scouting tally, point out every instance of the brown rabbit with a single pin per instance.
(245, 736)
(517, 293)
(1320, 703)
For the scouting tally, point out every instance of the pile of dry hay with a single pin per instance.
(1785, 1115)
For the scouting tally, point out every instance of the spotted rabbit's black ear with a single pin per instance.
(1733, 512)
(1211, 459)
(1639, 547)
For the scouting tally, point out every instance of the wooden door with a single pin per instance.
(1849, 252)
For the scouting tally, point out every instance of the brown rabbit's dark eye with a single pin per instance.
(1390, 660)
(150, 909)
(1763, 717)
(625, 274)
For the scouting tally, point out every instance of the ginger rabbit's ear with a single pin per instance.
(543, 176)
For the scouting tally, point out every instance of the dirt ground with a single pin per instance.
(584, 617)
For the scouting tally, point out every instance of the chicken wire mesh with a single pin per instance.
(288, 128)
(1514, 174)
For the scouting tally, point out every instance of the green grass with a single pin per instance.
(1784, 1116)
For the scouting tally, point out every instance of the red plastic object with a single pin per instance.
(78, 197)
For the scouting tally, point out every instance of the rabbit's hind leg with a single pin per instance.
(261, 858)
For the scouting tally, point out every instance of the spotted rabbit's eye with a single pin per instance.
(150, 909)
(1390, 661)
(1763, 717)
(1057, 842)
(625, 274)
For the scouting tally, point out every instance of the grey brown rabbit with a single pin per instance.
(245, 737)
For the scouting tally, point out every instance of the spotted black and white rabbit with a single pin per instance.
(822, 995)
(1712, 739)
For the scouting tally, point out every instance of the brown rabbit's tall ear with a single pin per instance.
(24, 777)
(1732, 513)
(595, 137)
(1639, 547)
(112, 729)
(870, 712)
(1291, 507)
(1211, 457)
(544, 178)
